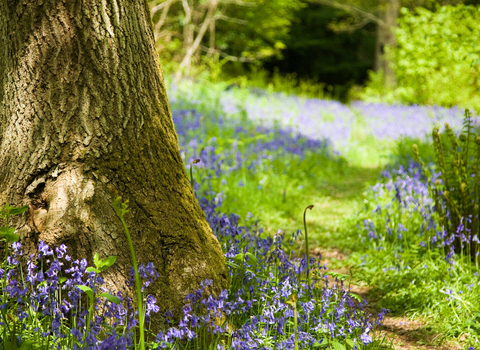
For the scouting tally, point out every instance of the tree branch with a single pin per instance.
(212, 36)
(230, 19)
(166, 6)
(349, 8)
(239, 2)
(157, 8)
(351, 27)
(212, 6)
(227, 56)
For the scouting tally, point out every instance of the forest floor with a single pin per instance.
(400, 331)
(343, 200)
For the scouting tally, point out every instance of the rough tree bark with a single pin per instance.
(84, 111)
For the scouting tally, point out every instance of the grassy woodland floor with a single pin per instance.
(263, 159)
(342, 197)
(369, 139)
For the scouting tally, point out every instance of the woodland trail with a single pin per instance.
(402, 332)
(342, 198)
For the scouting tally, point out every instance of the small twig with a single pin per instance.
(239, 2)
(230, 19)
(227, 56)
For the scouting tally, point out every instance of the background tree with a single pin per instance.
(337, 42)
(83, 112)
(384, 13)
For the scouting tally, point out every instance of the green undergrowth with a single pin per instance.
(388, 248)
(411, 280)
(425, 287)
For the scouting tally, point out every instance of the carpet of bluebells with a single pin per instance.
(269, 303)
(255, 313)
(267, 288)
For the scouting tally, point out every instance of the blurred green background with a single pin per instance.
(394, 51)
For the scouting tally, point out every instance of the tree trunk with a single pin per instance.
(388, 13)
(84, 111)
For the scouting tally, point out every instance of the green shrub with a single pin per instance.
(435, 60)
(456, 190)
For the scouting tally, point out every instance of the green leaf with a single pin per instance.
(229, 263)
(337, 275)
(239, 258)
(87, 290)
(8, 345)
(251, 256)
(12, 238)
(62, 279)
(109, 262)
(17, 211)
(476, 62)
(104, 264)
(6, 231)
(92, 269)
(120, 208)
(5, 210)
(96, 260)
(26, 345)
(114, 299)
(9, 235)
(356, 296)
(319, 343)
(337, 346)
(350, 343)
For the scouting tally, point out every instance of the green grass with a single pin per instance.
(337, 186)
(278, 193)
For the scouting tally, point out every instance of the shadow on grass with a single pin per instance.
(339, 197)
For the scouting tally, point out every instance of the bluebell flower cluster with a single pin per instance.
(255, 313)
(402, 214)
(251, 146)
(392, 122)
(317, 119)
(45, 303)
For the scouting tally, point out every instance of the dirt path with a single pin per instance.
(342, 197)
(400, 331)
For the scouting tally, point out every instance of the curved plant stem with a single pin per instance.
(137, 284)
(306, 243)
(121, 210)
